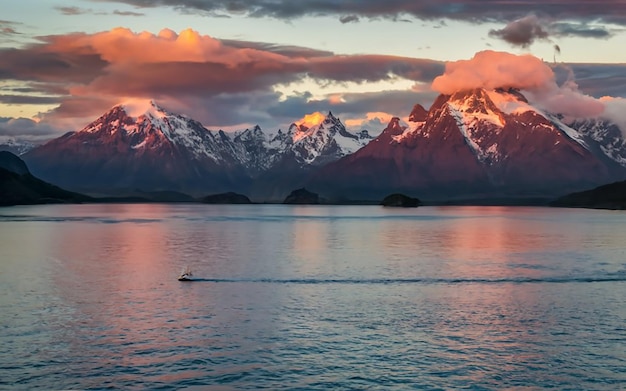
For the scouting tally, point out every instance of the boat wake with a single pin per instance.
(620, 277)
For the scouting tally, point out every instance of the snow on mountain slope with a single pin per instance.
(478, 142)
(325, 141)
(142, 145)
(15, 146)
(260, 150)
(152, 127)
(482, 115)
(606, 135)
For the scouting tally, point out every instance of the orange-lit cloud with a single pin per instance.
(226, 83)
(88, 73)
(312, 119)
(373, 122)
(377, 115)
(121, 45)
(336, 99)
(491, 70)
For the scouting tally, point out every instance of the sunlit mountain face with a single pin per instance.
(479, 143)
(150, 149)
(141, 145)
(311, 120)
(472, 143)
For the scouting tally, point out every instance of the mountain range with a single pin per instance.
(159, 150)
(473, 144)
(479, 144)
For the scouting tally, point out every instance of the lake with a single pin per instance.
(311, 297)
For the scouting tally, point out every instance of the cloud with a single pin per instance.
(8, 31)
(71, 11)
(568, 101)
(350, 104)
(90, 71)
(285, 50)
(127, 13)
(491, 70)
(26, 129)
(28, 99)
(74, 11)
(583, 30)
(522, 32)
(231, 83)
(596, 79)
(609, 11)
(374, 122)
(525, 31)
(7, 28)
(614, 111)
(348, 19)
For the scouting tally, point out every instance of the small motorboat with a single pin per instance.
(185, 275)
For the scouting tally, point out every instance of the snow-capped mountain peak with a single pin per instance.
(475, 106)
(146, 107)
(318, 139)
(145, 125)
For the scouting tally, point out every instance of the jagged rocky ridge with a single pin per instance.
(159, 150)
(479, 144)
(471, 144)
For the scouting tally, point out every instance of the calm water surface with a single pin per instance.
(350, 297)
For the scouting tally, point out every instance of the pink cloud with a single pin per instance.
(374, 122)
(615, 111)
(491, 70)
(114, 65)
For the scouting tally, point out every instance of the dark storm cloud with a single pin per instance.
(613, 11)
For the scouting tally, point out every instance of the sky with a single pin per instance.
(232, 64)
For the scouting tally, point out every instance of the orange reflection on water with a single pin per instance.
(484, 236)
(116, 267)
(309, 239)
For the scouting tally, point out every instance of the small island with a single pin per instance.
(400, 201)
(302, 197)
(226, 198)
